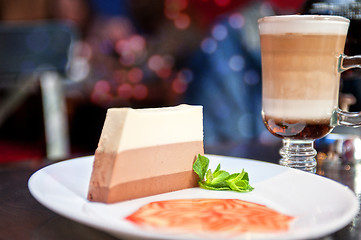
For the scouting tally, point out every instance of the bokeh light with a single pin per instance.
(161, 65)
(179, 86)
(219, 32)
(102, 86)
(125, 90)
(127, 58)
(130, 49)
(222, 3)
(172, 8)
(236, 20)
(135, 75)
(187, 75)
(182, 21)
(137, 43)
(140, 91)
(101, 93)
(155, 62)
(164, 73)
(251, 77)
(236, 63)
(209, 45)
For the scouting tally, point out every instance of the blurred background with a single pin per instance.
(63, 63)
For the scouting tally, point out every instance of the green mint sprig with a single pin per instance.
(220, 179)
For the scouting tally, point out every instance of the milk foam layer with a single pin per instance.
(299, 109)
(305, 24)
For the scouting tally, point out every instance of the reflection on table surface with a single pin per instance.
(22, 217)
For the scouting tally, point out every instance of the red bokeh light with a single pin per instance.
(222, 3)
(140, 92)
(125, 91)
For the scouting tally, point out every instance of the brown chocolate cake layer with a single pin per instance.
(143, 172)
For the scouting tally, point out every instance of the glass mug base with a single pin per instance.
(298, 154)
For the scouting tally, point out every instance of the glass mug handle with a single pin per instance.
(344, 118)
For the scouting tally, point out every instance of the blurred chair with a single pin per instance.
(33, 54)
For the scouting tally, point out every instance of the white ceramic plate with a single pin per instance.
(321, 206)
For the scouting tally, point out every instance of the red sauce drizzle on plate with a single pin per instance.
(211, 215)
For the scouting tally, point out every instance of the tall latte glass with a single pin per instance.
(302, 58)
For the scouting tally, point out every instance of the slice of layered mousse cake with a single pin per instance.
(143, 152)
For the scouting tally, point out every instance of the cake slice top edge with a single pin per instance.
(127, 128)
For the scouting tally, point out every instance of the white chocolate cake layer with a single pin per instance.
(127, 128)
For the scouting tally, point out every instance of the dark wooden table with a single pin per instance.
(22, 217)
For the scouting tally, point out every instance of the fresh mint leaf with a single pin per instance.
(218, 168)
(209, 176)
(212, 188)
(200, 166)
(220, 179)
(239, 182)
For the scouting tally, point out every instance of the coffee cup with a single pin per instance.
(302, 59)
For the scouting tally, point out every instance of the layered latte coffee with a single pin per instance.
(299, 74)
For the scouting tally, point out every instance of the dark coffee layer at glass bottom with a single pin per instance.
(298, 129)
